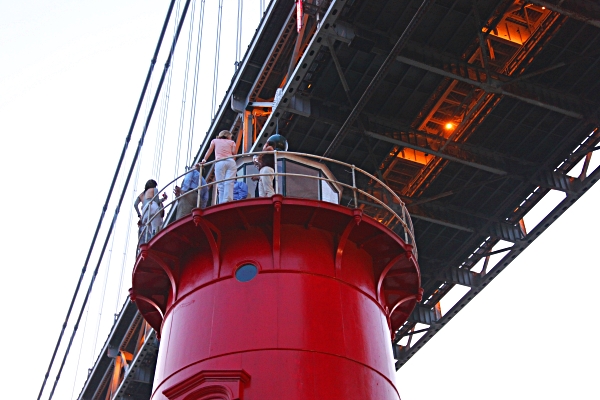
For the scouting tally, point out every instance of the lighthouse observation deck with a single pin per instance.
(300, 175)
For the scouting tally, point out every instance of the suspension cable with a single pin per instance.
(158, 139)
(80, 348)
(195, 87)
(162, 125)
(126, 184)
(185, 89)
(109, 195)
(217, 53)
(238, 39)
(127, 235)
(136, 180)
(103, 296)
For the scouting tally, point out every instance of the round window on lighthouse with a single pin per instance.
(246, 272)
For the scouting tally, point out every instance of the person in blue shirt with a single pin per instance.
(240, 190)
(188, 202)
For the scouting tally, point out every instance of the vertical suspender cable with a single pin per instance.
(133, 163)
(195, 88)
(217, 53)
(80, 348)
(162, 125)
(185, 88)
(112, 185)
(238, 39)
(110, 251)
(127, 237)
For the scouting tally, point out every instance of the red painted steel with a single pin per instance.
(312, 324)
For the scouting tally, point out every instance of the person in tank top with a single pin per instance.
(151, 210)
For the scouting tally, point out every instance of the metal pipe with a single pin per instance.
(276, 174)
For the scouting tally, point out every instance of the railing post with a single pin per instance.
(276, 175)
(405, 224)
(354, 186)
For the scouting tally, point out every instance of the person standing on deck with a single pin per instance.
(152, 213)
(223, 147)
(189, 201)
(267, 167)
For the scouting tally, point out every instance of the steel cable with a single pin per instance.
(126, 184)
(127, 235)
(136, 180)
(195, 87)
(103, 296)
(80, 348)
(216, 69)
(238, 39)
(162, 124)
(109, 195)
(185, 88)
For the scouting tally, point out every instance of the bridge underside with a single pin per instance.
(472, 110)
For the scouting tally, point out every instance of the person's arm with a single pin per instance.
(158, 199)
(232, 147)
(268, 147)
(136, 205)
(209, 151)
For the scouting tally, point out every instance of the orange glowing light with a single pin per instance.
(543, 8)
(449, 125)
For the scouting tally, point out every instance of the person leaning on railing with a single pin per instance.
(190, 201)
(223, 147)
(151, 208)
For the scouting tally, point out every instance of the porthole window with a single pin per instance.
(246, 272)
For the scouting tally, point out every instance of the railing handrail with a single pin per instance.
(404, 218)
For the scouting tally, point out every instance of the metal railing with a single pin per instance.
(374, 197)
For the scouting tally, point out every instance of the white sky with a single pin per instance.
(70, 76)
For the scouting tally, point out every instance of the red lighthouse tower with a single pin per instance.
(282, 297)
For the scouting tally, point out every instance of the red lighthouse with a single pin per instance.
(288, 297)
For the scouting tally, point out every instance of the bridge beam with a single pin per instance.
(452, 152)
(428, 59)
(581, 10)
(466, 221)
(537, 95)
